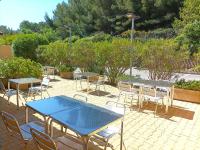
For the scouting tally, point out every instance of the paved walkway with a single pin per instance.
(178, 130)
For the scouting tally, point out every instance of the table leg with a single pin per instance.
(51, 128)
(121, 141)
(85, 140)
(26, 115)
(17, 96)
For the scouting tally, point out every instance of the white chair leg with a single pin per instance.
(9, 100)
(104, 87)
(106, 144)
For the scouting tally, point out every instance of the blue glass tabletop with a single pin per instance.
(86, 119)
(53, 104)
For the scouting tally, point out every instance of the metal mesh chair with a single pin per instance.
(149, 93)
(106, 134)
(98, 82)
(20, 131)
(7, 92)
(36, 90)
(45, 142)
(128, 90)
(77, 75)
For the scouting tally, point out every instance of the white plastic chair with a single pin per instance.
(7, 92)
(40, 89)
(106, 134)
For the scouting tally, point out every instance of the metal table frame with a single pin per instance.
(155, 84)
(22, 81)
(49, 119)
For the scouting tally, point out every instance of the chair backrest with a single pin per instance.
(116, 107)
(93, 78)
(2, 87)
(101, 78)
(11, 124)
(80, 97)
(77, 73)
(149, 90)
(77, 70)
(124, 86)
(45, 82)
(42, 140)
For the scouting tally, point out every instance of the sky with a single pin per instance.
(13, 12)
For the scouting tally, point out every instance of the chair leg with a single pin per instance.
(106, 144)
(9, 100)
(104, 87)
(76, 83)
(124, 144)
(167, 106)
(119, 97)
(47, 93)
(156, 109)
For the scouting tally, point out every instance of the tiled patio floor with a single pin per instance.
(178, 130)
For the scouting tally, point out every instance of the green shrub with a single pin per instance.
(189, 85)
(101, 37)
(54, 54)
(115, 56)
(26, 45)
(8, 39)
(73, 39)
(162, 58)
(19, 68)
(83, 54)
(98, 37)
(190, 36)
(164, 33)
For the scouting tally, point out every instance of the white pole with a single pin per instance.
(132, 28)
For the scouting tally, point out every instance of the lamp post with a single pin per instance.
(70, 34)
(133, 18)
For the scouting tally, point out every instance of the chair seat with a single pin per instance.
(109, 132)
(36, 88)
(68, 143)
(11, 92)
(162, 89)
(152, 97)
(25, 129)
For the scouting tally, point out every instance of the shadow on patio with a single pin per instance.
(8, 142)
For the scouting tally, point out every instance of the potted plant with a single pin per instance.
(66, 72)
(187, 91)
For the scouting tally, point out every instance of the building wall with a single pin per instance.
(5, 51)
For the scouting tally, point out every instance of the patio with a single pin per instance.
(179, 129)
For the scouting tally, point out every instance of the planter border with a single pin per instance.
(187, 95)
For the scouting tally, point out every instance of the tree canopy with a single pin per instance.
(89, 16)
(189, 13)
